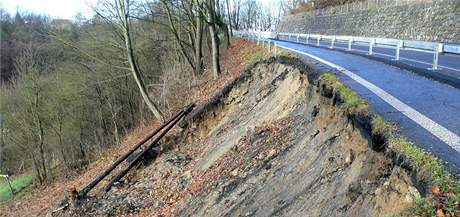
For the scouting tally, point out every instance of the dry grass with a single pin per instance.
(233, 60)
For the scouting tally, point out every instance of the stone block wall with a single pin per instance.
(437, 21)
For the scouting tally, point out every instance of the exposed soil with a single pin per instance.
(273, 142)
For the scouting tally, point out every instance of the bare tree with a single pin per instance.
(229, 17)
(185, 17)
(27, 64)
(122, 7)
(117, 14)
(210, 8)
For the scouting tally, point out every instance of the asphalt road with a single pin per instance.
(427, 111)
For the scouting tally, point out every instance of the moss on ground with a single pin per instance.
(351, 100)
(256, 56)
(18, 184)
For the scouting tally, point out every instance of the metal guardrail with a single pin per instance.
(421, 46)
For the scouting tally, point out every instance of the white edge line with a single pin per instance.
(445, 135)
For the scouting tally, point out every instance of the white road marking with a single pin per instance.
(445, 135)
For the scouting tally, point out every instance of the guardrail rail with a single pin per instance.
(435, 48)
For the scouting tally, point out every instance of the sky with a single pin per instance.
(65, 9)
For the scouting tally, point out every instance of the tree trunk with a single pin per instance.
(214, 40)
(130, 103)
(2, 141)
(102, 135)
(41, 134)
(61, 144)
(229, 19)
(176, 36)
(224, 29)
(198, 44)
(37, 169)
(82, 150)
(114, 122)
(133, 65)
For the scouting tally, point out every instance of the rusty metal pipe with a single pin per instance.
(102, 175)
(122, 173)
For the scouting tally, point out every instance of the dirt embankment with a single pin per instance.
(274, 142)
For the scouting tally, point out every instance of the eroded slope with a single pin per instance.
(275, 142)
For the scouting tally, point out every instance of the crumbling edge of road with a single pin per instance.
(427, 73)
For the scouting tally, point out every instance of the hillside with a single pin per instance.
(273, 143)
(276, 141)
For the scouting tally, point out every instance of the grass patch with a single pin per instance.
(352, 101)
(418, 157)
(256, 56)
(17, 183)
(283, 52)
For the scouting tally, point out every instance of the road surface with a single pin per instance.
(427, 111)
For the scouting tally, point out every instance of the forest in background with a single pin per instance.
(70, 89)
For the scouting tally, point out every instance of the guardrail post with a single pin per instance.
(298, 35)
(398, 50)
(308, 36)
(350, 41)
(371, 46)
(289, 37)
(440, 48)
(435, 58)
(317, 41)
(332, 42)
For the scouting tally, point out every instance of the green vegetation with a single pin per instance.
(18, 184)
(418, 157)
(352, 101)
(284, 52)
(256, 56)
